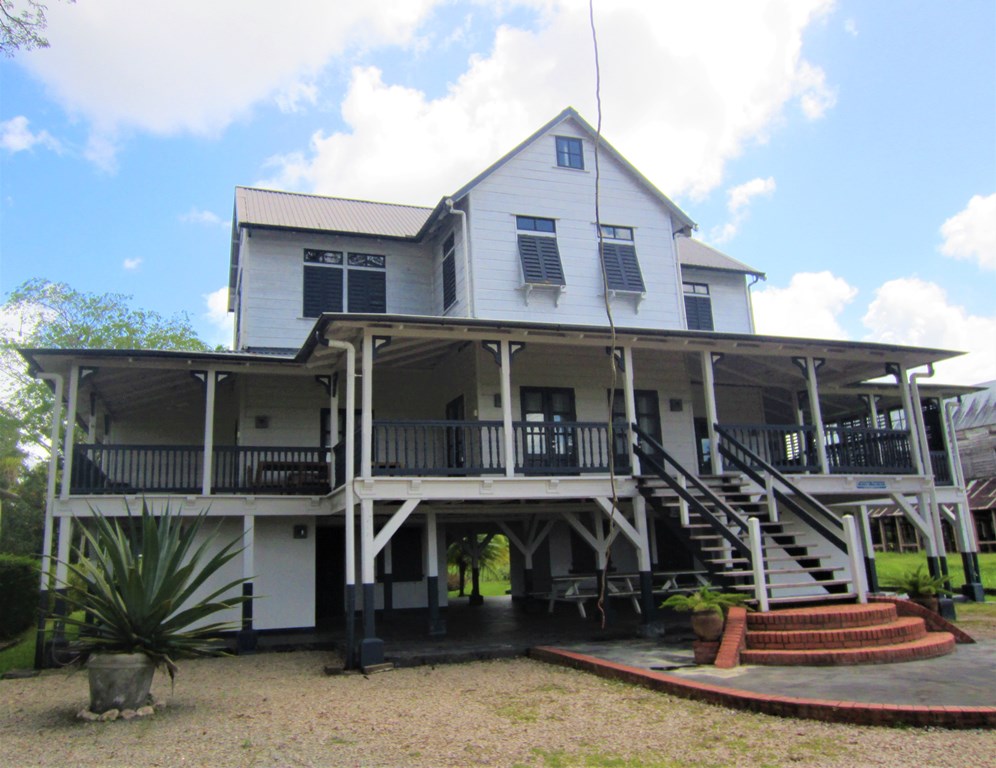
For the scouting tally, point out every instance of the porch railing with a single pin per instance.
(940, 467)
(122, 469)
(868, 451)
(565, 447)
(792, 448)
(438, 447)
(786, 447)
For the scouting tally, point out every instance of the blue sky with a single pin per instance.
(847, 149)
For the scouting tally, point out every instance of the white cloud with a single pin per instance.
(221, 321)
(131, 264)
(807, 307)
(851, 27)
(208, 218)
(15, 136)
(193, 67)
(295, 96)
(971, 233)
(738, 203)
(912, 311)
(678, 105)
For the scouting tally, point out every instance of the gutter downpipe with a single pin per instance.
(750, 300)
(349, 511)
(939, 566)
(46, 561)
(466, 254)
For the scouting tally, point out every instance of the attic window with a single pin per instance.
(570, 153)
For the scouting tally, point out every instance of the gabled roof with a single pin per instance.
(695, 253)
(977, 409)
(292, 210)
(685, 224)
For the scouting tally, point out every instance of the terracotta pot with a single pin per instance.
(930, 602)
(119, 680)
(708, 625)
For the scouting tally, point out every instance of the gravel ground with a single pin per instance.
(282, 710)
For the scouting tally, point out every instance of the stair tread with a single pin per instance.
(799, 584)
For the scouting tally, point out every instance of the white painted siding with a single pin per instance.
(273, 280)
(293, 406)
(284, 575)
(728, 292)
(531, 184)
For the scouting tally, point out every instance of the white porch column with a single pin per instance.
(211, 384)
(506, 406)
(437, 626)
(709, 385)
(817, 414)
(873, 410)
(366, 416)
(65, 539)
(871, 572)
(247, 635)
(46, 560)
(645, 564)
(67, 440)
(371, 647)
(630, 396)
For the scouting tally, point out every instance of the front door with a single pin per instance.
(547, 446)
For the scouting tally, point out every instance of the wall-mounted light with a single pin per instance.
(675, 404)
(262, 422)
(300, 531)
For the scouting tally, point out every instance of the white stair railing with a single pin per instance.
(757, 559)
(854, 559)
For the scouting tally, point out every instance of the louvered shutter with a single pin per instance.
(622, 270)
(540, 260)
(449, 281)
(367, 291)
(322, 290)
(698, 310)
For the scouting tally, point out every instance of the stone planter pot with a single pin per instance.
(708, 625)
(119, 680)
(930, 602)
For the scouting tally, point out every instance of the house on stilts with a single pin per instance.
(403, 377)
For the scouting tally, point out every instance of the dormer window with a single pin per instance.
(570, 153)
(329, 276)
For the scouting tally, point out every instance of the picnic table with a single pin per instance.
(579, 587)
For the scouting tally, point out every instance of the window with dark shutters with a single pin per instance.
(331, 276)
(698, 306)
(622, 270)
(449, 273)
(367, 291)
(540, 260)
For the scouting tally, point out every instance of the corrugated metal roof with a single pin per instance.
(292, 210)
(695, 253)
(977, 409)
(982, 493)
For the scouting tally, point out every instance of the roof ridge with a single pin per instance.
(333, 197)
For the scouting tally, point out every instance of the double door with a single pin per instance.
(548, 435)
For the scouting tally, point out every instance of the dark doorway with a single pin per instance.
(456, 456)
(545, 444)
(703, 447)
(330, 574)
(648, 418)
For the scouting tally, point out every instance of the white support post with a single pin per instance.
(873, 410)
(630, 397)
(65, 539)
(757, 561)
(53, 468)
(854, 559)
(505, 374)
(67, 445)
(366, 417)
(682, 504)
(905, 395)
(367, 551)
(709, 385)
(817, 414)
(210, 383)
(437, 626)
(640, 518)
(769, 497)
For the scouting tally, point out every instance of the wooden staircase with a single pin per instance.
(840, 634)
(794, 571)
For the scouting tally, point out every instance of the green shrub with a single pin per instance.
(18, 594)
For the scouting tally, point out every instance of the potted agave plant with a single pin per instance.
(921, 588)
(707, 607)
(139, 600)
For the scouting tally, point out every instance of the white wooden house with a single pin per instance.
(404, 376)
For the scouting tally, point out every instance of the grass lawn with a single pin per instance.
(891, 565)
(22, 655)
(488, 589)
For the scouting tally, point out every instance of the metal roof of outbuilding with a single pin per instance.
(695, 253)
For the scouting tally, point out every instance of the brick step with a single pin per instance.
(823, 617)
(902, 630)
(932, 645)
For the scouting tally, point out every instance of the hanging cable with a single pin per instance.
(610, 435)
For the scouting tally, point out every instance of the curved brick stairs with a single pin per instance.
(840, 634)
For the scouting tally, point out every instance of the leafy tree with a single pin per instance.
(46, 315)
(22, 25)
(493, 560)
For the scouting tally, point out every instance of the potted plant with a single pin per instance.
(139, 600)
(707, 607)
(920, 587)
